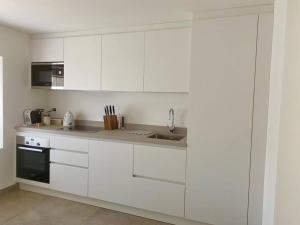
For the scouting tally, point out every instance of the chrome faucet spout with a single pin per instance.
(171, 118)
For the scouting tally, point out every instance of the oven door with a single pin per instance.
(33, 163)
(43, 75)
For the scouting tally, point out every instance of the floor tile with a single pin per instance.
(27, 208)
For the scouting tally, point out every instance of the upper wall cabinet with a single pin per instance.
(47, 50)
(123, 61)
(167, 60)
(82, 56)
(150, 61)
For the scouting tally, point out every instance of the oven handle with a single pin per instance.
(31, 149)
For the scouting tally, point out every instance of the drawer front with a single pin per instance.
(69, 179)
(160, 163)
(158, 196)
(72, 144)
(69, 158)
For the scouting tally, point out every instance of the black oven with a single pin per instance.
(47, 75)
(33, 159)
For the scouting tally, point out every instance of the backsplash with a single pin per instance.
(140, 108)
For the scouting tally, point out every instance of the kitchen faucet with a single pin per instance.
(171, 118)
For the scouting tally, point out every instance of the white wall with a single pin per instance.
(277, 68)
(283, 156)
(14, 47)
(140, 108)
(288, 172)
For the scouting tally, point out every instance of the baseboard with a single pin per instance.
(111, 206)
(10, 188)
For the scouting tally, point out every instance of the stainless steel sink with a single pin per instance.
(169, 137)
(87, 129)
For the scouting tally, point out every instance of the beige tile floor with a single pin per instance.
(26, 208)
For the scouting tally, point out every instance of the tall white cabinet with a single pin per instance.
(82, 56)
(220, 125)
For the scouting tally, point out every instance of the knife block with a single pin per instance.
(110, 122)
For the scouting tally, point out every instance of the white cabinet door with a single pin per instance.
(73, 180)
(69, 158)
(158, 196)
(160, 163)
(47, 50)
(123, 61)
(69, 143)
(110, 171)
(220, 112)
(82, 56)
(167, 60)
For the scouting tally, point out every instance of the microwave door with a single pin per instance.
(57, 82)
(41, 75)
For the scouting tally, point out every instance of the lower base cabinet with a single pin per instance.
(158, 196)
(145, 177)
(110, 171)
(112, 179)
(69, 179)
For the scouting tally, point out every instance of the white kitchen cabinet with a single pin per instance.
(47, 50)
(158, 196)
(69, 165)
(69, 179)
(167, 60)
(111, 171)
(220, 119)
(69, 143)
(69, 158)
(123, 61)
(82, 56)
(160, 163)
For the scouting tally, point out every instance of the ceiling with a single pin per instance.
(44, 16)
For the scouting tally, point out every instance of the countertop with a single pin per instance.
(115, 135)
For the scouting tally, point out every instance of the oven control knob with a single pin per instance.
(38, 144)
(27, 143)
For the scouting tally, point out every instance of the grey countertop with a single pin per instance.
(114, 135)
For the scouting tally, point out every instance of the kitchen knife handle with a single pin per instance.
(110, 110)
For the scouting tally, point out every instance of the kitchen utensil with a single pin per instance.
(110, 110)
(32, 116)
(68, 120)
(110, 119)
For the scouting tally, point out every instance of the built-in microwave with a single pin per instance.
(47, 75)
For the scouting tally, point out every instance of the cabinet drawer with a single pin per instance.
(69, 158)
(160, 163)
(69, 179)
(158, 196)
(72, 144)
